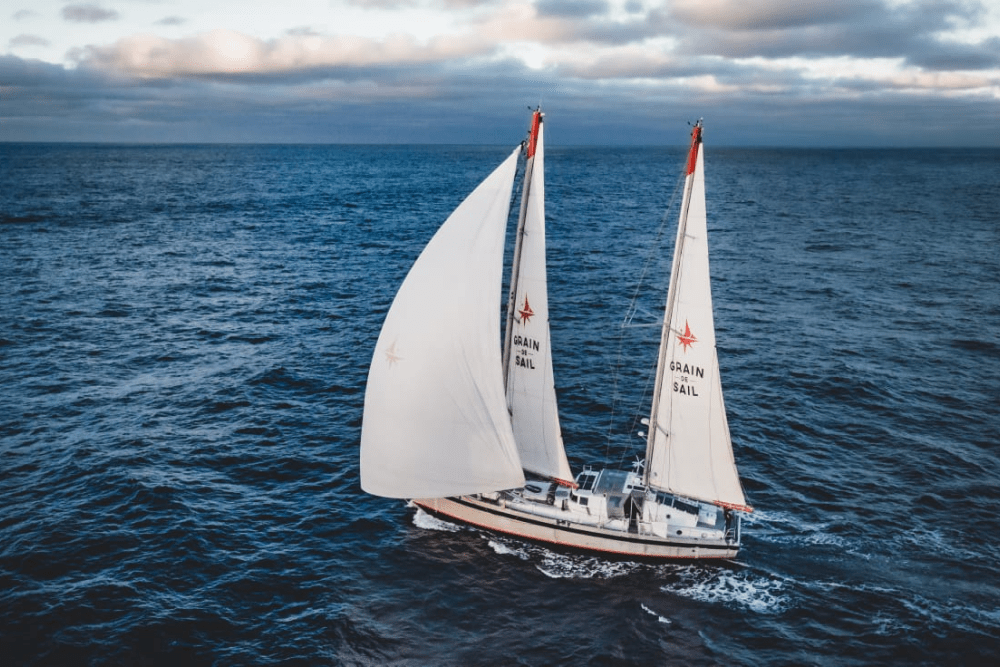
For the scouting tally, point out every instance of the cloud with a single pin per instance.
(171, 21)
(912, 31)
(769, 14)
(88, 14)
(941, 55)
(23, 14)
(608, 72)
(521, 23)
(572, 8)
(227, 52)
(28, 40)
(406, 102)
(382, 4)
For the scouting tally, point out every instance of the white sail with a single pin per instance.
(690, 452)
(531, 392)
(435, 415)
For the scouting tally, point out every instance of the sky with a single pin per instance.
(606, 72)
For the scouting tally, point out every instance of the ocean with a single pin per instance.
(184, 343)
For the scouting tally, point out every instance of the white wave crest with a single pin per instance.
(763, 595)
(422, 519)
(561, 565)
(661, 619)
(571, 566)
(504, 548)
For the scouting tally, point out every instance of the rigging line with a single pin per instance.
(515, 192)
(633, 303)
(631, 312)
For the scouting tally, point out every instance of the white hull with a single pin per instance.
(562, 524)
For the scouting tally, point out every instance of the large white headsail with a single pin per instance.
(531, 390)
(435, 417)
(690, 452)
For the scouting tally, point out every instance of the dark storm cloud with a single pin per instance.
(88, 13)
(440, 102)
(38, 91)
(955, 56)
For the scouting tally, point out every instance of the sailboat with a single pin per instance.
(460, 415)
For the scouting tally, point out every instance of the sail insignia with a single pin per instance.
(687, 339)
(526, 312)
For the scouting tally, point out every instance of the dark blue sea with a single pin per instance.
(185, 333)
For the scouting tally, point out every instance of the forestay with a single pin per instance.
(435, 415)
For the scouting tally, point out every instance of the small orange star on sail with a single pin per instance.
(526, 312)
(687, 338)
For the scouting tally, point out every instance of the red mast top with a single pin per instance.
(536, 120)
(695, 142)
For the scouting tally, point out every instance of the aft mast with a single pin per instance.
(689, 450)
(527, 350)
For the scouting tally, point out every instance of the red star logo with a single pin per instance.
(526, 313)
(687, 339)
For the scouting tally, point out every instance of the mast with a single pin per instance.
(672, 296)
(690, 451)
(515, 269)
(529, 380)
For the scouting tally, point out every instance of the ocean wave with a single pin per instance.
(743, 589)
(661, 619)
(422, 519)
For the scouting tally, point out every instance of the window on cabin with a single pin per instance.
(686, 507)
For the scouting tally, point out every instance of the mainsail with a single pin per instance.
(689, 450)
(531, 393)
(435, 415)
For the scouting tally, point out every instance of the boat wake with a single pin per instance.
(563, 566)
(505, 549)
(422, 519)
(739, 588)
(760, 594)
